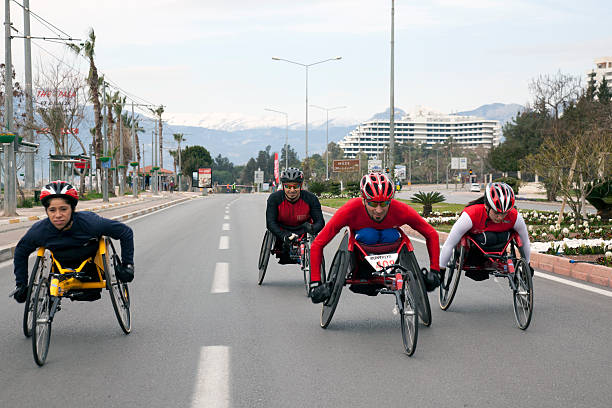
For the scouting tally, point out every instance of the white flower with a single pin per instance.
(565, 231)
(572, 227)
(543, 235)
(552, 228)
(599, 218)
(530, 228)
(585, 224)
(587, 231)
(608, 254)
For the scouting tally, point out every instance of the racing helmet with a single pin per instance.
(376, 187)
(292, 175)
(59, 189)
(500, 197)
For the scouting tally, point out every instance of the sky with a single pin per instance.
(210, 61)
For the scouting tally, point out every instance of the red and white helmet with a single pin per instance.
(500, 197)
(376, 187)
(59, 189)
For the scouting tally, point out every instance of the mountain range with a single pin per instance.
(239, 140)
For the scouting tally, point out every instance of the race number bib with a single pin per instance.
(381, 261)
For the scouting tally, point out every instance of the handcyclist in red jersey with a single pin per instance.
(373, 218)
(291, 212)
(489, 219)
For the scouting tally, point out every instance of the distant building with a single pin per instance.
(603, 67)
(428, 128)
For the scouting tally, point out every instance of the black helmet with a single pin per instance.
(292, 175)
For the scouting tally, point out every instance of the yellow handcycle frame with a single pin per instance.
(60, 287)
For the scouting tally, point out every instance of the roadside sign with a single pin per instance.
(106, 164)
(258, 177)
(400, 171)
(205, 178)
(345, 166)
(374, 166)
(458, 163)
(462, 163)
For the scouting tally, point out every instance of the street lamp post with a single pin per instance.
(286, 135)
(306, 66)
(327, 135)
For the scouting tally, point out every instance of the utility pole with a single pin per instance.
(134, 148)
(121, 162)
(10, 178)
(392, 104)
(105, 135)
(180, 178)
(29, 134)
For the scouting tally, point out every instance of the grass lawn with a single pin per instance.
(440, 207)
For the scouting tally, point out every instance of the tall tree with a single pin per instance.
(603, 93)
(87, 48)
(194, 158)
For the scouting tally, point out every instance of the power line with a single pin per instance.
(42, 20)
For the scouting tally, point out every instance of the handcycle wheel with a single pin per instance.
(28, 310)
(119, 292)
(408, 260)
(264, 255)
(41, 324)
(450, 281)
(306, 267)
(337, 276)
(523, 295)
(408, 315)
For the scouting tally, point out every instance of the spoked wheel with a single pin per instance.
(306, 267)
(28, 311)
(119, 292)
(523, 296)
(408, 260)
(264, 255)
(408, 315)
(450, 281)
(337, 277)
(41, 323)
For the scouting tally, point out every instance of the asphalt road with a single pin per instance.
(206, 335)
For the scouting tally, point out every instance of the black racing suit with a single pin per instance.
(284, 218)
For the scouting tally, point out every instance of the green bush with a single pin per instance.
(511, 181)
(316, 187)
(352, 189)
(27, 203)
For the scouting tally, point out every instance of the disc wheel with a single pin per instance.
(408, 315)
(28, 310)
(41, 323)
(119, 292)
(264, 255)
(337, 277)
(306, 267)
(523, 295)
(450, 281)
(408, 260)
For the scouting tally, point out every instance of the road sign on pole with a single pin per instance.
(258, 177)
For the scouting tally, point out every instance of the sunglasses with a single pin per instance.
(291, 186)
(375, 204)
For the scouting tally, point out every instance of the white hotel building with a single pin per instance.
(603, 68)
(428, 128)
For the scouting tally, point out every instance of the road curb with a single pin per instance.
(7, 252)
(596, 274)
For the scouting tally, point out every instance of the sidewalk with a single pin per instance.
(118, 208)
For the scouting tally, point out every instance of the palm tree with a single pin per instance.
(427, 199)
(178, 137)
(159, 112)
(87, 48)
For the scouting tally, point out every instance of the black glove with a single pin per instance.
(531, 269)
(20, 293)
(308, 227)
(432, 279)
(319, 292)
(125, 272)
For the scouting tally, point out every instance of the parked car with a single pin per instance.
(475, 187)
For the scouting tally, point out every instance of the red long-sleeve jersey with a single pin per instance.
(353, 215)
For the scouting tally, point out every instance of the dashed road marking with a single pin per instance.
(221, 279)
(212, 383)
(227, 217)
(226, 227)
(224, 242)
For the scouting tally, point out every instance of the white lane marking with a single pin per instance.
(227, 211)
(221, 279)
(546, 276)
(574, 284)
(224, 242)
(227, 217)
(212, 384)
(226, 227)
